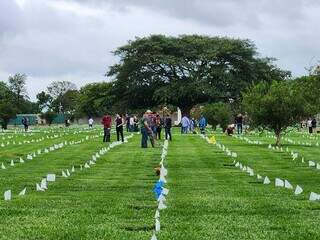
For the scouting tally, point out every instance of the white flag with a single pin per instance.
(23, 192)
(157, 225)
(313, 196)
(298, 190)
(64, 174)
(51, 177)
(7, 195)
(287, 184)
(279, 182)
(266, 180)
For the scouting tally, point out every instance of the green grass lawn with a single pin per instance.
(209, 197)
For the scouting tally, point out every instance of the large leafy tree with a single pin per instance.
(95, 99)
(275, 106)
(187, 70)
(218, 114)
(17, 85)
(8, 109)
(61, 94)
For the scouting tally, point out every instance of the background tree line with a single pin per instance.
(225, 75)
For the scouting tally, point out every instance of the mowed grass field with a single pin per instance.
(209, 197)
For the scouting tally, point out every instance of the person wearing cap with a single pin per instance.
(146, 131)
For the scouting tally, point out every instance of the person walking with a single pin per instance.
(309, 123)
(127, 122)
(131, 124)
(106, 122)
(119, 127)
(90, 122)
(146, 131)
(185, 122)
(25, 123)
(159, 123)
(167, 127)
(238, 122)
(202, 124)
(314, 125)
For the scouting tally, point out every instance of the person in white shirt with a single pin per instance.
(90, 121)
(131, 124)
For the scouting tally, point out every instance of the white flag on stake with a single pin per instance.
(7, 195)
(279, 182)
(23, 192)
(287, 184)
(266, 180)
(298, 190)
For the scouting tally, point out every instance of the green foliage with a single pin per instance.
(17, 85)
(187, 70)
(49, 116)
(7, 111)
(95, 99)
(309, 87)
(218, 114)
(275, 106)
(44, 100)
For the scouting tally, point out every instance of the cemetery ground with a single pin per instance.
(209, 197)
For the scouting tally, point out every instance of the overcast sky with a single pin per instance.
(53, 40)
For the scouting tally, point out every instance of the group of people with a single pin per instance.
(151, 128)
(151, 125)
(189, 125)
(312, 125)
(107, 124)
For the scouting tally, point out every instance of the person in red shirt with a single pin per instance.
(106, 122)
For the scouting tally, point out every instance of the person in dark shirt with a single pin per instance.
(106, 122)
(167, 127)
(238, 122)
(119, 127)
(127, 122)
(159, 123)
(25, 122)
(314, 125)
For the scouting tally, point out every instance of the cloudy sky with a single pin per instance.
(52, 40)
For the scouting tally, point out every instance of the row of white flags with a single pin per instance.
(54, 147)
(164, 192)
(43, 185)
(278, 182)
(37, 140)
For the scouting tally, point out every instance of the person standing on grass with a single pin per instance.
(185, 122)
(119, 127)
(131, 122)
(238, 122)
(314, 125)
(127, 122)
(159, 123)
(167, 127)
(106, 122)
(203, 124)
(309, 123)
(136, 124)
(90, 122)
(25, 123)
(146, 131)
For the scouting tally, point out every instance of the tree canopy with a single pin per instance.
(274, 106)
(187, 70)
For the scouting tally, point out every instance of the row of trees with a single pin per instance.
(225, 75)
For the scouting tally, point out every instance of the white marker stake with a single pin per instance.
(266, 180)
(279, 182)
(21, 160)
(259, 177)
(154, 237)
(298, 190)
(64, 174)
(12, 163)
(157, 214)
(38, 188)
(157, 225)
(23, 192)
(68, 173)
(2, 166)
(287, 184)
(51, 177)
(86, 165)
(43, 184)
(313, 196)
(72, 169)
(7, 195)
